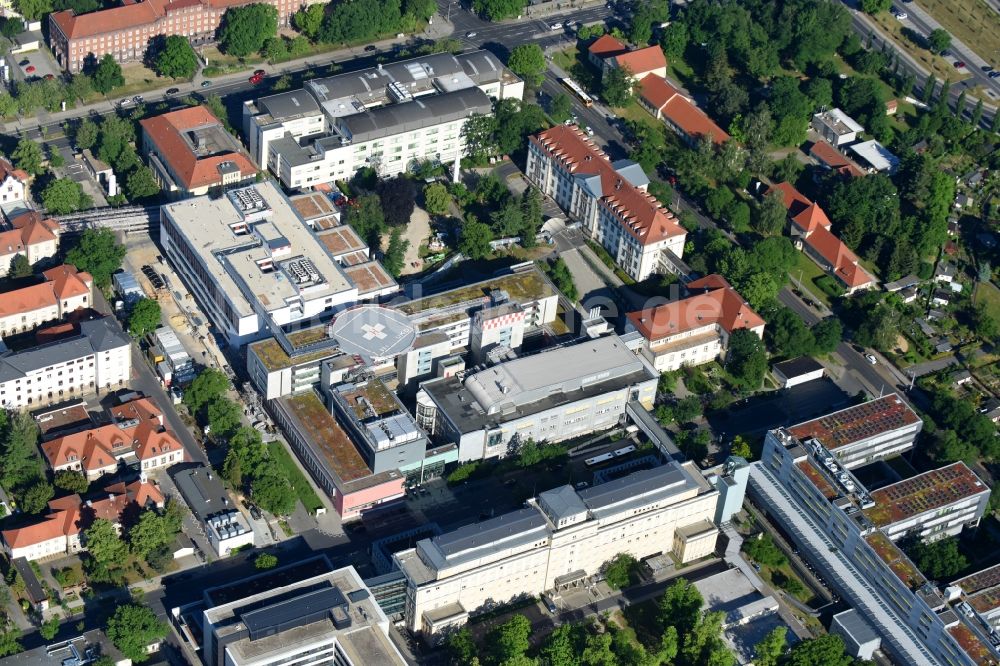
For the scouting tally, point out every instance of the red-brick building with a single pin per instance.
(125, 31)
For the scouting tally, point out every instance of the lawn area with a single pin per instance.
(987, 293)
(809, 272)
(942, 67)
(303, 490)
(566, 58)
(777, 577)
(972, 21)
(573, 62)
(138, 79)
(635, 112)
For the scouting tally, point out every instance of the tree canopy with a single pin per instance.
(107, 75)
(98, 253)
(144, 318)
(497, 10)
(28, 155)
(245, 29)
(437, 199)
(173, 57)
(528, 62)
(132, 628)
(747, 360)
(63, 196)
(397, 197)
(209, 385)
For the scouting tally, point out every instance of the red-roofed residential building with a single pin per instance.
(58, 533)
(135, 435)
(679, 113)
(603, 47)
(810, 228)
(30, 235)
(190, 152)
(609, 199)
(65, 290)
(12, 182)
(696, 329)
(124, 31)
(831, 158)
(640, 63)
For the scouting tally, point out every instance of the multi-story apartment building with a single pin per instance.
(96, 356)
(64, 290)
(329, 618)
(680, 114)
(124, 31)
(135, 435)
(190, 152)
(549, 396)
(386, 117)
(440, 325)
(608, 199)
(12, 183)
(30, 235)
(696, 329)
(253, 263)
(58, 533)
(981, 591)
(558, 540)
(861, 434)
(225, 526)
(828, 515)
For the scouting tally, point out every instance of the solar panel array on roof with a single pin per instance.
(858, 423)
(980, 580)
(928, 491)
(295, 612)
(489, 531)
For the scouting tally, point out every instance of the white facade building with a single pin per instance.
(838, 128)
(558, 540)
(97, 358)
(387, 117)
(553, 395)
(12, 183)
(331, 618)
(608, 198)
(252, 261)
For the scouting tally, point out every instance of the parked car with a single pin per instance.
(959, 64)
(994, 74)
(173, 91)
(589, 130)
(470, 34)
(871, 359)
(256, 79)
(259, 72)
(370, 48)
(205, 84)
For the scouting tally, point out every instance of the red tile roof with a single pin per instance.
(840, 257)
(811, 219)
(638, 211)
(719, 304)
(7, 170)
(605, 46)
(63, 282)
(67, 282)
(70, 515)
(795, 202)
(679, 110)
(642, 61)
(833, 158)
(165, 131)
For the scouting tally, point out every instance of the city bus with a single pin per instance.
(578, 92)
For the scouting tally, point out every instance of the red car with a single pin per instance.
(960, 64)
(256, 78)
(29, 69)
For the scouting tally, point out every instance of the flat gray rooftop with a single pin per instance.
(489, 532)
(637, 488)
(408, 116)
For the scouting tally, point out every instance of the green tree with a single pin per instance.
(245, 29)
(437, 200)
(746, 358)
(769, 215)
(246, 452)
(223, 417)
(368, 219)
(462, 648)
(560, 275)
(764, 551)
(50, 628)
(476, 239)
(497, 10)
(827, 334)
(740, 447)
(144, 318)
(561, 108)
(879, 329)
(272, 491)
(74, 482)
(875, 6)
(20, 463)
(33, 10)
(528, 62)
(20, 267)
(394, 259)
(63, 196)
(103, 543)
(132, 628)
(265, 561)
(98, 253)
(10, 642)
(141, 184)
(680, 606)
(825, 650)
(36, 497)
(939, 40)
(151, 532)
(510, 639)
(309, 19)
(208, 386)
(107, 75)
(560, 647)
(28, 155)
(938, 560)
(618, 570)
(617, 86)
(397, 196)
(175, 58)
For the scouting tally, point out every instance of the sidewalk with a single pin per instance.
(439, 29)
